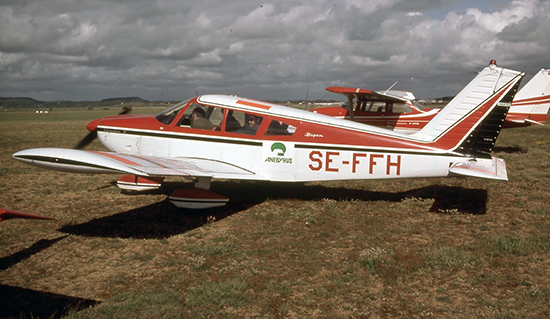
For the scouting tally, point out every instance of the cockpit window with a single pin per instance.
(202, 117)
(242, 123)
(205, 117)
(168, 115)
(419, 106)
(373, 106)
(278, 128)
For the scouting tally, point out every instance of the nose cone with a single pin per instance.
(92, 126)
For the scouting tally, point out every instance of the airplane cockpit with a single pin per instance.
(190, 114)
(383, 107)
(380, 107)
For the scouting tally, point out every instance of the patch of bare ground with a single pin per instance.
(451, 248)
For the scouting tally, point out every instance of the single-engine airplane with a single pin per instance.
(398, 110)
(230, 137)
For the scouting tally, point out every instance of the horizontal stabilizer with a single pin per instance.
(526, 121)
(534, 122)
(494, 168)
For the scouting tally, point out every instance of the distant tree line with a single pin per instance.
(25, 102)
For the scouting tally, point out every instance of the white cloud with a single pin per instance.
(93, 49)
(368, 7)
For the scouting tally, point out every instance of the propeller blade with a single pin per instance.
(93, 130)
(125, 110)
(86, 140)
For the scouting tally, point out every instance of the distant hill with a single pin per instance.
(134, 99)
(25, 102)
(19, 102)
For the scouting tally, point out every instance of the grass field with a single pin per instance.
(438, 248)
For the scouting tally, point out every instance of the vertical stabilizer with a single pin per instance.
(539, 85)
(532, 102)
(472, 120)
(481, 141)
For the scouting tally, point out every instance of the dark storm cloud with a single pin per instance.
(82, 50)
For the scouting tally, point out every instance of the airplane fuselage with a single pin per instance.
(309, 148)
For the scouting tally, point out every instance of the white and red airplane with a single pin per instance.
(228, 137)
(398, 110)
(395, 110)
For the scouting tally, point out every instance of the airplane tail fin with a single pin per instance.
(532, 102)
(471, 122)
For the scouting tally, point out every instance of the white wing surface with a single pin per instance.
(80, 161)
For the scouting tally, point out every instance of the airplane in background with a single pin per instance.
(398, 110)
(531, 103)
(229, 137)
(392, 109)
(10, 214)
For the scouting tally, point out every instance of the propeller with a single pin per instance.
(87, 140)
(93, 130)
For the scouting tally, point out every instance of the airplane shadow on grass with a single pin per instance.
(40, 245)
(19, 302)
(163, 220)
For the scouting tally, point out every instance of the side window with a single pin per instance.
(278, 128)
(242, 123)
(201, 117)
(374, 106)
(216, 117)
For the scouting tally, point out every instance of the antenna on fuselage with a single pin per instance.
(307, 96)
(391, 87)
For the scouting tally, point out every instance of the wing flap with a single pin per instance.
(494, 168)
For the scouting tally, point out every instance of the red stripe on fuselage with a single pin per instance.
(254, 104)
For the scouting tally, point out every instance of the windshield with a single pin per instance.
(168, 115)
(400, 108)
(419, 106)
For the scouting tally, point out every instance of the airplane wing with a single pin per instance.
(364, 94)
(81, 161)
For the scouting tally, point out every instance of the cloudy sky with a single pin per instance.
(172, 49)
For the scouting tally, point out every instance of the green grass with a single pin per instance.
(518, 246)
(163, 304)
(372, 249)
(231, 293)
